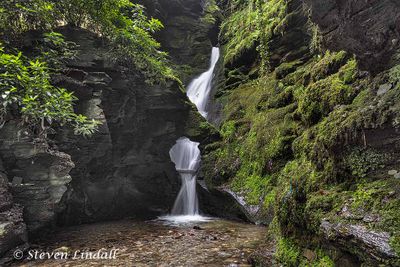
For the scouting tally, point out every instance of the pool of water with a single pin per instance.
(168, 241)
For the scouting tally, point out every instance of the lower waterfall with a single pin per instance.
(186, 156)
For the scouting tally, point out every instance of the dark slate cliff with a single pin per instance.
(369, 29)
(185, 36)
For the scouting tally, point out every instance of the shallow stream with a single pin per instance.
(156, 243)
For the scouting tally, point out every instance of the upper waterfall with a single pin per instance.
(200, 88)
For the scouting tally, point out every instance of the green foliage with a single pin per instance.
(18, 16)
(55, 51)
(240, 31)
(395, 243)
(123, 23)
(363, 197)
(25, 86)
(228, 130)
(316, 39)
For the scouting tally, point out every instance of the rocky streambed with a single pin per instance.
(154, 243)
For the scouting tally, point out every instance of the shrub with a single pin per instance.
(26, 89)
(120, 21)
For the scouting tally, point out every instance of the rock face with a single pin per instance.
(38, 174)
(33, 179)
(186, 38)
(369, 29)
(12, 228)
(361, 241)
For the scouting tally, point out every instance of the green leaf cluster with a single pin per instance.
(25, 89)
(123, 23)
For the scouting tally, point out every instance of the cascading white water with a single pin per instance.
(186, 154)
(200, 88)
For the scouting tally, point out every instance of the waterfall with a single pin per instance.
(186, 154)
(200, 88)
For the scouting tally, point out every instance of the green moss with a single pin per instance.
(321, 97)
(269, 200)
(251, 25)
(322, 204)
(323, 261)
(286, 68)
(328, 64)
(395, 243)
(197, 127)
(287, 253)
(394, 75)
(361, 161)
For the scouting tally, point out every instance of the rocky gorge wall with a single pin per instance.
(309, 131)
(125, 168)
(34, 177)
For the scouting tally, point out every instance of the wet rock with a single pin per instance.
(253, 213)
(369, 218)
(216, 202)
(383, 89)
(185, 36)
(370, 246)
